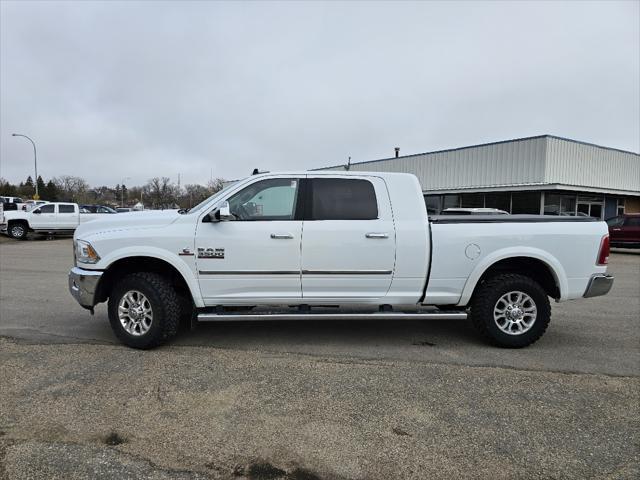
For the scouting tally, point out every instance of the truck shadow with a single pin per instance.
(326, 335)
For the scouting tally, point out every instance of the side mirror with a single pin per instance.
(220, 214)
(37, 212)
(224, 212)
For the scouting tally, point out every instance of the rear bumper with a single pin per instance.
(83, 285)
(599, 284)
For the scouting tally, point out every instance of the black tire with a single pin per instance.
(18, 230)
(164, 302)
(485, 300)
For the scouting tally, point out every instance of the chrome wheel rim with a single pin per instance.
(515, 313)
(17, 230)
(135, 313)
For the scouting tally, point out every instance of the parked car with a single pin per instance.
(473, 211)
(624, 230)
(11, 203)
(301, 242)
(96, 209)
(51, 218)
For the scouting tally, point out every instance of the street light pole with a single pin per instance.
(122, 190)
(35, 160)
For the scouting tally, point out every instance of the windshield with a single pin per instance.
(212, 197)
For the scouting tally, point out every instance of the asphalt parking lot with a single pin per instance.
(359, 400)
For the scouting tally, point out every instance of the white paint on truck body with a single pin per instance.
(384, 260)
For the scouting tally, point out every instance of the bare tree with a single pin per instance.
(72, 188)
(161, 192)
(194, 194)
(215, 185)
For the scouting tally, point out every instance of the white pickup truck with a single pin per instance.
(331, 245)
(49, 218)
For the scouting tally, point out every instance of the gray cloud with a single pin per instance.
(112, 90)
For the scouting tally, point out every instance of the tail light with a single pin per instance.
(603, 254)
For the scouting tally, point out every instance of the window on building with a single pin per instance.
(501, 201)
(591, 205)
(583, 209)
(433, 204)
(343, 199)
(559, 204)
(451, 201)
(620, 208)
(525, 202)
(472, 200)
(596, 210)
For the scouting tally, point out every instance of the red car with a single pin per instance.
(624, 230)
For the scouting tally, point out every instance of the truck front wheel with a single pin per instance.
(510, 310)
(144, 310)
(18, 230)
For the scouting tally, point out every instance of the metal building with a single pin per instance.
(544, 174)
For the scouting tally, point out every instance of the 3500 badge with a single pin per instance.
(210, 252)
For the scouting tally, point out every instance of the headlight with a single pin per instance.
(85, 253)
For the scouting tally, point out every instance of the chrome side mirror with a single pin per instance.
(220, 214)
(224, 212)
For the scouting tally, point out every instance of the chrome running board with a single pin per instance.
(243, 317)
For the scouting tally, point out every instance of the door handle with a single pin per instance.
(282, 236)
(377, 235)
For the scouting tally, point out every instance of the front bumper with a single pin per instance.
(83, 285)
(599, 284)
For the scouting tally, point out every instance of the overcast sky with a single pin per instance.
(112, 90)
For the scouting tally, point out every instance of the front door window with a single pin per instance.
(273, 199)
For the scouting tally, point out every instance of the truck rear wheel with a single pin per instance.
(510, 310)
(144, 310)
(18, 230)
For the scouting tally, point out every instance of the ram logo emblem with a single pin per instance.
(210, 252)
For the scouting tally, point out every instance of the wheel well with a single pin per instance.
(530, 267)
(19, 220)
(128, 265)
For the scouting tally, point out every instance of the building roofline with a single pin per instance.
(521, 139)
(535, 186)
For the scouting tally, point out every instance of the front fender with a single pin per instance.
(158, 253)
(552, 263)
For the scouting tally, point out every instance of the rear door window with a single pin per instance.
(66, 208)
(343, 199)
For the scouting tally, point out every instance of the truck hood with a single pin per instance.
(12, 215)
(127, 221)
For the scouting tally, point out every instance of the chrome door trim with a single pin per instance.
(347, 272)
(248, 272)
